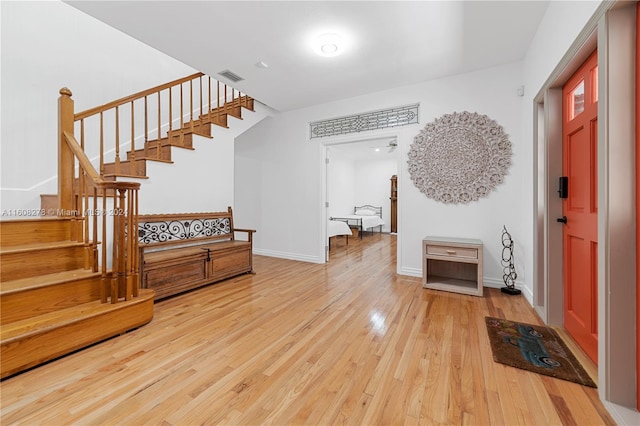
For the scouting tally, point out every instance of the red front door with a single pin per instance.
(580, 232)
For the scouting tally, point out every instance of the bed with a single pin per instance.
(366, 217)
(338, 227)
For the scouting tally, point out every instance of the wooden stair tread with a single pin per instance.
(186, 130)
(154, 159)
(125, 175)
(182, 147)
(24, 248)
(237, 116)
(167, 142)
(215, 122)
(14, 286)
(42, 323)
(202, 135)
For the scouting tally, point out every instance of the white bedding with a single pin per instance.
(367, 221)
(338, 227)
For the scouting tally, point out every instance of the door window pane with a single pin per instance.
(576, 101)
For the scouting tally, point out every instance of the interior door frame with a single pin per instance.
(346, 139)
(612, 31)
(637, 205)
(580, 229)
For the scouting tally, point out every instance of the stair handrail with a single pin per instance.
(78, 197)
(84, 161)
(139, 95)
(178, 104)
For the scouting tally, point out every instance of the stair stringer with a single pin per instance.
(201, 179)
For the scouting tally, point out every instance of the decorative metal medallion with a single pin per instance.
(176, 230)
(459, 158)
(374, 120)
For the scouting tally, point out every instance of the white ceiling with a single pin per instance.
(390, 43)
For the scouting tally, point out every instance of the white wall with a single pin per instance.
(291, 224)
(277, 188)
(341, 183)
(199, 180)
(47, 45)
(492, 92)
(560, 26)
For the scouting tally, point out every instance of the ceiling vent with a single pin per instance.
(230, 76)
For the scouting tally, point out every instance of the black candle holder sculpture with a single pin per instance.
(509, 276)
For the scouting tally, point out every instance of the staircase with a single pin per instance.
(50, 302)
(153, 122)
(135, 165)
(71, 280)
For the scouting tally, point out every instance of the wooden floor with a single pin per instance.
(349, 342)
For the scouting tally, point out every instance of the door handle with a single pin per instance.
(562, 219)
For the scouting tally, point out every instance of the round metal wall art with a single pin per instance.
(459, 158)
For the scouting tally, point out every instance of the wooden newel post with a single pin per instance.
(66, 173)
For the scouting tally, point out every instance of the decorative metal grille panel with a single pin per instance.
(176, 230)
(375, 120)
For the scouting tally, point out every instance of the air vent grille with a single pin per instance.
(231, 76)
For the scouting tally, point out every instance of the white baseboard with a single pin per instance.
(496, 283)
(623, 415)
(487, 282)
(411, 272)
(289, 256)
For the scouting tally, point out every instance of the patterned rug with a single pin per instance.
(535, 348)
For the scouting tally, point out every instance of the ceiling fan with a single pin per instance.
(393, 143)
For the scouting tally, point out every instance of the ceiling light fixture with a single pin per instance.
(329, 45)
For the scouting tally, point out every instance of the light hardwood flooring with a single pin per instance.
(349, 342)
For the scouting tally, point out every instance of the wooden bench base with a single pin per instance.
(175, 266)
(174, 271)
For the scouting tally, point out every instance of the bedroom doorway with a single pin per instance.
(357, 179)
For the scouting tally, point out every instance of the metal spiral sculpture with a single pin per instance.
(509, 269)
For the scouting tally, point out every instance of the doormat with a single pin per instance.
(535, 348)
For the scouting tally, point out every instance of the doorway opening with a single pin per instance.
(358, 183)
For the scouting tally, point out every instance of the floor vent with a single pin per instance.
(231, 76)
